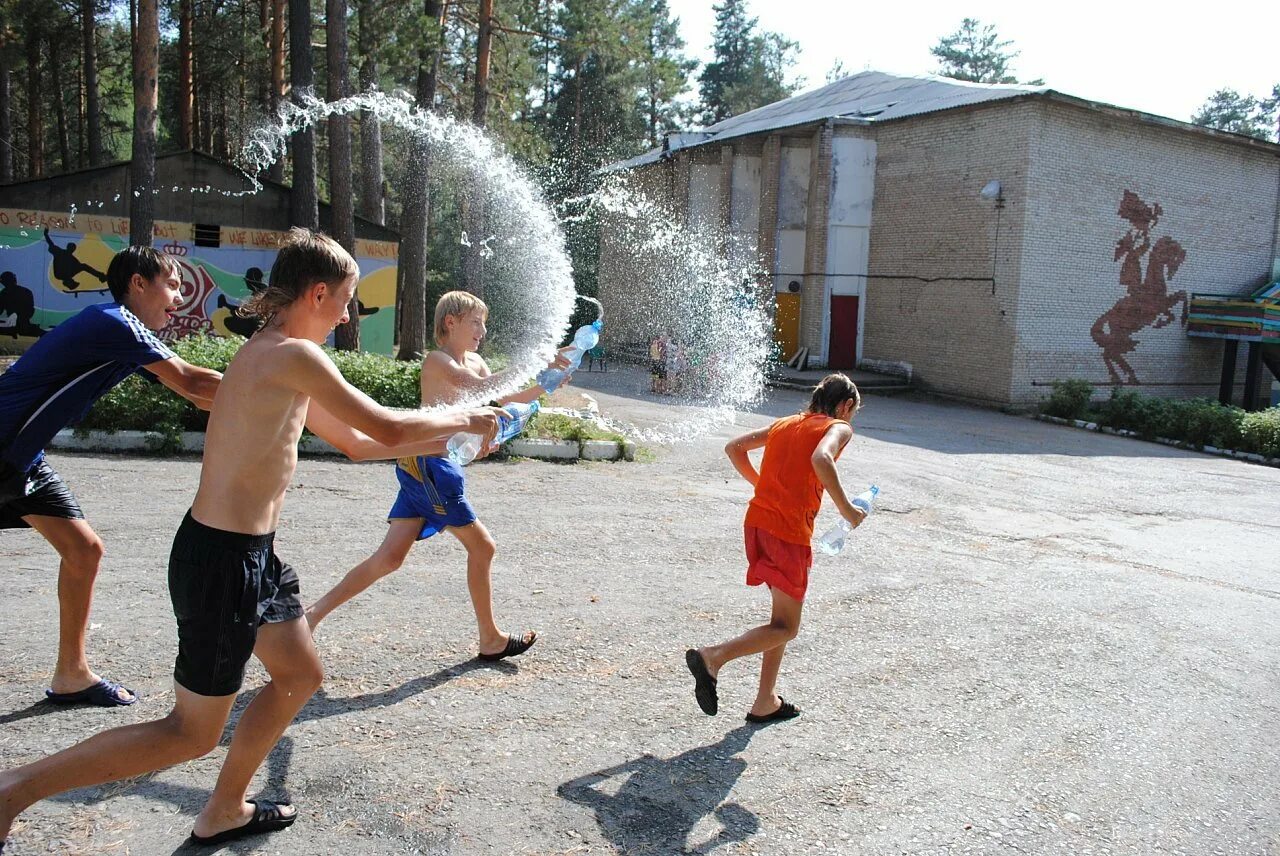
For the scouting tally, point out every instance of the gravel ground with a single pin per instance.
(1046, 641)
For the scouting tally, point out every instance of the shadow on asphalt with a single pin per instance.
(190, 799)
(663, 799)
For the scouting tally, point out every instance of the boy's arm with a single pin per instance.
(303, 366)
(359, 446)
(824, 467)
(738, 448)
(194, 383)
(439, 371)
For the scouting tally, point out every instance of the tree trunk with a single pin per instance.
(373, 204)
(92, 109)
(186, 95)
(6, 128)
(142, 174)
(276, 171)
(35, 115)
(412, 320)
(341, 196)
(304, 206)
(59, 103)
(473, 211)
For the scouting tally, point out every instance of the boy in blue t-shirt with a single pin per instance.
(53, 385)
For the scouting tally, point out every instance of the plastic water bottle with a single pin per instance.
(462, 447)
(832, 541)
(584, 340)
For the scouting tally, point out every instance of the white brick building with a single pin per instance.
(863, 199)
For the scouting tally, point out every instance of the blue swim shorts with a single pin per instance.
(433, 490)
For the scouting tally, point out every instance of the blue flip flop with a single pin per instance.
(103, 694)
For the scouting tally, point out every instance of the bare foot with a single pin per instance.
(766, 706)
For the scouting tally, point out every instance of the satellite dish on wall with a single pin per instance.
(990, 190)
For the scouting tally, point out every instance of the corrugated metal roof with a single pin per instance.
(869, 96)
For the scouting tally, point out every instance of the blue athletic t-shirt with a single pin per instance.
(67, 369)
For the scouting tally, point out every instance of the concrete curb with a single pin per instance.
(193, 441)
(1252, 457)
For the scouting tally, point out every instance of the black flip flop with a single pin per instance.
(103, 694)
(786, 710)
(704, 689)
(517, 644)
(267, 817)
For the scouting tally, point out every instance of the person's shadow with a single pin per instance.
(662, 800)
(191, 798)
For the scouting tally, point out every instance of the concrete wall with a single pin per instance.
(1081, 301)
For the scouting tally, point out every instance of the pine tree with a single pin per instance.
(749, 69)
(975, 53)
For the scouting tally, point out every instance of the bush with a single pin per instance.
(560, 426)
(138, 404)
(1204, 422)
(1260, 432)
(1069, 399)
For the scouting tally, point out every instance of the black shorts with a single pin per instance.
(39, 491)
(224, 585)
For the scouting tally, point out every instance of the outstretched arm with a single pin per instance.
(738, 448)
(194, 383)
(824, 467)
(304, 367)
(359, 446)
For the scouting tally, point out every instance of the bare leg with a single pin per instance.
(767, 701)
(192, 729)
(480, 552)
(289, 654)
(784, 624)
(390, 555)
(80, 549)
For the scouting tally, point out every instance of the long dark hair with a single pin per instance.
(833, 391)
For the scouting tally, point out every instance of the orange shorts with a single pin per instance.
(776, 563)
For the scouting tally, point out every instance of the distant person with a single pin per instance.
(799, 462)
(66, 266)
(20, 303)
(432, 496)
(658, 364)
(52, 386)
(232, 596)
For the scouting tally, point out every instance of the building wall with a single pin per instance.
(1102, 284)
(943, 281)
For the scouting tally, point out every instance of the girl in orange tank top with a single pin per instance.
(799, 464)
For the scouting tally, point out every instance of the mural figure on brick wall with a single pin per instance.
(1146, 301)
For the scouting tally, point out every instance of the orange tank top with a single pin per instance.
(788, 493)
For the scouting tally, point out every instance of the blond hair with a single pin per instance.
(305, 258)
(457, 304)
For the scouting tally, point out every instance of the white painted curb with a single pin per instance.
(193, 441)
(1254, 457)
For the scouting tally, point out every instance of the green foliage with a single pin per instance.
(1197, 422)
(141, 405)
(560, 426)
(975, 53)
(1069, 399)
(1260, 432)
(1228, 110)
(749, 69)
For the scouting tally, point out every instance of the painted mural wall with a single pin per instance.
(51, 267)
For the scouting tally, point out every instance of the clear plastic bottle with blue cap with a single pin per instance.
(462, 447)
(832, 541)
(587, 337)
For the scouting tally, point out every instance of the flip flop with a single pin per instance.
(786, 710)
(103, 694)
(517, 644)
(704, 689)
(267, 817)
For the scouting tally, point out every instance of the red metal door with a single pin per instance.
(842, 350)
